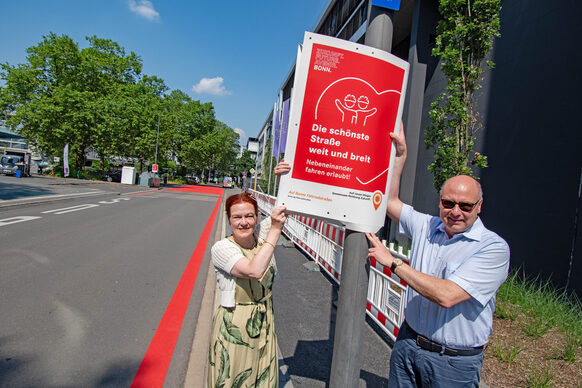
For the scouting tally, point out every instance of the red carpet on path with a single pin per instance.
(154, 366)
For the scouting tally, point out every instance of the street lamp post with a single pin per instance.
(157, 135)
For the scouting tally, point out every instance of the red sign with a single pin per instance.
(350, 107)
(154, 168)
(347, 99)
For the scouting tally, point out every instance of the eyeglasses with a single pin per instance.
(464, 206)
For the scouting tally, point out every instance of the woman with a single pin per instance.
(243, 344)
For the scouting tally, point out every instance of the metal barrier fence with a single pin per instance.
(323, 242)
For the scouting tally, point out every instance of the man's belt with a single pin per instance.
(432, 346)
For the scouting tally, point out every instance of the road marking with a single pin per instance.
(71, 209)
(15, 220)
(115, 200)
(96, 192)
(154, 366)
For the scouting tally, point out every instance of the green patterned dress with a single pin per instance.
(243, 343)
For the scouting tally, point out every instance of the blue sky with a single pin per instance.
(234, 54)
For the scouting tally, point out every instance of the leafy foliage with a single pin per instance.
(96, 98)
(465, 35)
(244, 163)
(268, 178)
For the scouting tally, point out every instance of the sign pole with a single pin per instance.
(157, 135)
(351, 311)
(347, 348)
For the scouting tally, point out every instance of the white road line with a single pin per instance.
(115, 200)
(15, 220)
(71, 209)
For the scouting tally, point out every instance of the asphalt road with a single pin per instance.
(85, 281)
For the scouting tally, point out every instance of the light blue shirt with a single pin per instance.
(477, 260)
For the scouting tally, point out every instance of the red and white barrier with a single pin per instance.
(323, 242)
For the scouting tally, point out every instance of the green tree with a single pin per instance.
(147, 109)
(214, 151)
(192, 126)
(56, 97)
(244, 163)
(226, 149)
(465, 35)
(269, 162)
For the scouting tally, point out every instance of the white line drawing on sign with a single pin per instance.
(350, 102)
(15, 220)
(350, 99)
(71, 209)
(373, 179)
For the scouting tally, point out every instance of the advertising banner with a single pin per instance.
(66, 160)
(284, 127)
(348, 98)
(276, 132)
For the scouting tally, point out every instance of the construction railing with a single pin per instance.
(323, 242)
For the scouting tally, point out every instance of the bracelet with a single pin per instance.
(267, 242)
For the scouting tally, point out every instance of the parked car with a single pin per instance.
(10, 164)
(112, 176)
(192, 179)
(227, 182)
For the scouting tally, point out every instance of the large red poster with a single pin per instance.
(350, 105)
(347, 99)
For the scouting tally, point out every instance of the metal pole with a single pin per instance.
(275, 184)
(157, 135)
(347, 347)
(270, 168)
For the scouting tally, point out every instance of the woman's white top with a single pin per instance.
(225, 254)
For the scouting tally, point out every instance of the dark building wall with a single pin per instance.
(534, 136)
(530, 108)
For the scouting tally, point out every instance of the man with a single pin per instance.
(456, 268)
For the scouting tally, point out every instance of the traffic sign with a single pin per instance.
(154, 168)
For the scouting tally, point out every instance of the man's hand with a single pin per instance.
(400, 144)
(379, 251)
(282, 167)
(394, 207)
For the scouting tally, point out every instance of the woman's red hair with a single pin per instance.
(240, 198)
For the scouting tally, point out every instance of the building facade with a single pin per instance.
(531, 130)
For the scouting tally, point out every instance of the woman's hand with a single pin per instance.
(379, 251)
(282, 167)
(278, 217)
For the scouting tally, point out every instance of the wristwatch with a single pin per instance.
(396, 263)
